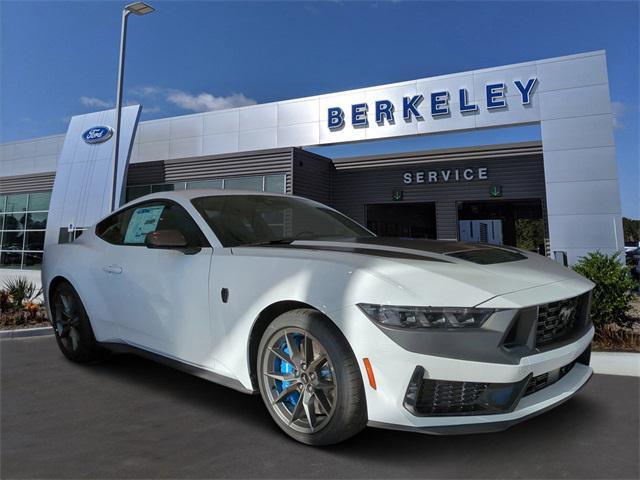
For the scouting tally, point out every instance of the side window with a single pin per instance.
(112, 229)
(144, 220)
(174, 217)
(131, 226)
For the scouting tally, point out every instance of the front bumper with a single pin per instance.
(528, 407)
(394, 366)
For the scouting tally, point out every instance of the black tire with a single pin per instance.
(72, 326)
(348, 411)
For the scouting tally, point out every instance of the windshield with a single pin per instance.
(264, 219)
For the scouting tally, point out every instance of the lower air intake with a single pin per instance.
(546, 379)
(426, 397)
(450, 397)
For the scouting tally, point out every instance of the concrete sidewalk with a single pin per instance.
(616, 363)
(26, 332)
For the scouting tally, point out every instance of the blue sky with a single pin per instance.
(60, 58)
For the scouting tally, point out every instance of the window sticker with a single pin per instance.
(143, 221)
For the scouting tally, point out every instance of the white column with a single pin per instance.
(583, 197)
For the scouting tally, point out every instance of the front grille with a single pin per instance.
(546, 379)
(557, 320)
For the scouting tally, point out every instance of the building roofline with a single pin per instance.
(443, 154)
(35, 139)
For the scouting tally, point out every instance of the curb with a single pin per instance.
(607, 363)
(616, 363)
(26, 332)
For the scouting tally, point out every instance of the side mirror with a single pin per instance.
(165, 239)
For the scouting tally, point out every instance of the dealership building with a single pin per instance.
(558, 196)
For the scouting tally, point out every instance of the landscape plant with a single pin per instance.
(19, 305)
(613, 292)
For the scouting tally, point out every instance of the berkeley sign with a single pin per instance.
(440, 105)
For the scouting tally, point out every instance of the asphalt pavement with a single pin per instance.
(131, 418)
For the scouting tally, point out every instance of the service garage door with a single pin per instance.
(406, 220)
(519, 223)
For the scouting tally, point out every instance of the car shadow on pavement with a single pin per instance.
(251, 410)
(554, 444)
(194, 391)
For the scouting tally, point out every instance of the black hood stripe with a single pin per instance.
(488, 256)
(441, 247)
(374, 252)
(408, 249)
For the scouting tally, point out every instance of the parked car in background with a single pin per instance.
(632, 256)
(334, 327)
(631, 246)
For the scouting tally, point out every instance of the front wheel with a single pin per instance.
(72, 327)
(310, 380)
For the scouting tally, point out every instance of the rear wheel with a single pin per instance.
(309, 379)
(72, 327)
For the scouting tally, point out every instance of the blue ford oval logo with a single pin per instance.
(97, 134)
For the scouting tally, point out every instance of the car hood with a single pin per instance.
(438, 269)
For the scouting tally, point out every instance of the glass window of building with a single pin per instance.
(254, 184)
(257, 183)
(23, 222)
(274, 183)
(206, 184)
(137, 191)
(167, 187)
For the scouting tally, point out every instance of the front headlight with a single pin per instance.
(426, 317)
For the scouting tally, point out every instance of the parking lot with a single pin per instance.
(131, 418)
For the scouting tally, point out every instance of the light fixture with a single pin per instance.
(139, 8)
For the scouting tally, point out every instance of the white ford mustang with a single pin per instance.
(334, 327)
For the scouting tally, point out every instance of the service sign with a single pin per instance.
(446, 175)
(97, 134)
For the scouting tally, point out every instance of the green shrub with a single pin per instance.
(529, 233)
(612, 294)
(20, 290)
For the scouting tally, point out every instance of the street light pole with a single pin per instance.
(138, 8)
(116, 149)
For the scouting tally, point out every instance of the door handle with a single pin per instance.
(112, 269)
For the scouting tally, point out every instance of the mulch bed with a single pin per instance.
(623, 337)
(16, 320)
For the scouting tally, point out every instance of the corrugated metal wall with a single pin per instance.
(40, 182)
(358, 182)
(312, 176)
(146, 173)
(277, 161)
(253, 163)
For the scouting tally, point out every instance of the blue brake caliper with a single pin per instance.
(285, 367)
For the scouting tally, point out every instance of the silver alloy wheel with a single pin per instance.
(67, 321)
(300, 380)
